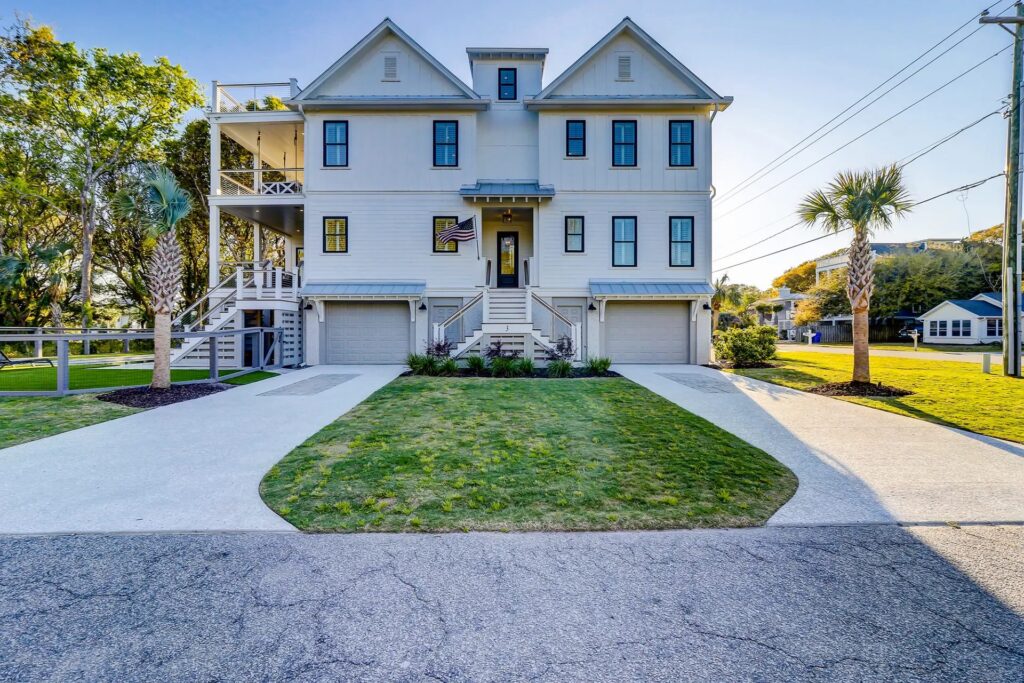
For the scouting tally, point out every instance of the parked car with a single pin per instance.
(905, 333)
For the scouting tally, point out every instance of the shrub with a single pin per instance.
(448, 367)
(746, 346)
(524, 367)
(422, 365)
(564, 350)
(441, 348)
(598, 366)
(559, 368)
(476, 364)
(498, 350)
(502, 366)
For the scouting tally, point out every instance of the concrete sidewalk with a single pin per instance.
(855, 464)
(194, 465)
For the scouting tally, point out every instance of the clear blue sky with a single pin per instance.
(790, 64)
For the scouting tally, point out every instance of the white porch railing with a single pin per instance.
(441, 327)
(575, 332)
(249, 282)
(242, 97)
(261, 182)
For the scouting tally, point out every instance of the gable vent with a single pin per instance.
(625, 68)
(390, 68)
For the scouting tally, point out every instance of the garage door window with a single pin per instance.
(335, 234)
(624, 241)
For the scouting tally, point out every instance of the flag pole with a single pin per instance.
(479, 237)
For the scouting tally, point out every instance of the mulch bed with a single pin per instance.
(541, 373)
(144, 397)
(726, 365)
(878, 390)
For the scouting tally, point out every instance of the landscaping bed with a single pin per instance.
(870, 389)
(459, 454)
(144, 397)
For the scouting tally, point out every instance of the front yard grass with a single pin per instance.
(929, 348)
(947, 392)
(448, 454)
(28, 378)
(31, 418)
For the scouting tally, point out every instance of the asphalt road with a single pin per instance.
(770, 604)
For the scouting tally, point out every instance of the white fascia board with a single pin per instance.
(620, 103)
(391, 103)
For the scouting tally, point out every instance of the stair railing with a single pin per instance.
(198, 307)
(574, 328)
(441, 327)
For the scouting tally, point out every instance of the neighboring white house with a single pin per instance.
(966, 321)
(782, 313)
(590, 199)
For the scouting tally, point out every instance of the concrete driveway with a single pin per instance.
(855, 464)
(194, 465)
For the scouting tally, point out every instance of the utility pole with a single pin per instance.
(1012, 222)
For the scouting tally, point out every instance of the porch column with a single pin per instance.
(214, 156)
(214, 247)
(256, 253)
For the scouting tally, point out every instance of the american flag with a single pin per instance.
(460, 232)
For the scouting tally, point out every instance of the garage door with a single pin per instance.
(367, 332)
(647, 331)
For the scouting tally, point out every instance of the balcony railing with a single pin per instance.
(265, 182)
(243, 97)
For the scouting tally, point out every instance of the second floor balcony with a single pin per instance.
(242, 182)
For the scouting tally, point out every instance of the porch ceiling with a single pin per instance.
(284, 218)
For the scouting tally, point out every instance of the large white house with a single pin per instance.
(590, 198)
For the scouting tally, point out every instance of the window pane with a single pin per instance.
(574, 226)
(444, 155)
(966, 328)
(506, 76)
(441, 224)
(507, 92)
(445, 132)
(682, 229)
(336, 132)
(624, 131)
(575, 148)
(576, 129)
(681, 131)
(681, 254)
(574, 243)
(624, 253)
(682, 155)
(625, 230)
(337, 155)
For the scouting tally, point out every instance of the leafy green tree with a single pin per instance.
(798, 278)
(104, 111)
(861, 202)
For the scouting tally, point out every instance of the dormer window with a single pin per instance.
(390, 67)
(507, 84)
(625, 67)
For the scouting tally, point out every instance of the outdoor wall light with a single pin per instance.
(308, 307)
(707, 307)
(507, 216)
(591, 307)
(423, 307)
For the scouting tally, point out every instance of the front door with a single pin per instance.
(508, 259)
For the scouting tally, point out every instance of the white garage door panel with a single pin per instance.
(367, 333)
(647, 332)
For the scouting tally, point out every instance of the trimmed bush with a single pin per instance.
(598, 366)
(559, 368)
(476, 364)
(422, 365)
(524, 367)
(448, 367)
(743, 347)
(502, 366)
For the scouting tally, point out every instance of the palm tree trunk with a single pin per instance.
(859, 287)
(162, 352)
(714, 319)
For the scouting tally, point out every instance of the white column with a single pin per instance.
(214, 158)
(214, 246)
(256, 254)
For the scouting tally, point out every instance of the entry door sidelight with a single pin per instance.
(508, 259)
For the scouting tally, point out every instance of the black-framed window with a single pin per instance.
(575, 138)
(507, 84)
(623, 143)
(335, 143)
(680, 241)
(994, 327)
(960, 328)
(624, 241)
(446, 143)
(442, 223)
(574, 234)
(335, 234)
(680, 143)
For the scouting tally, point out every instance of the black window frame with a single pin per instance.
(433, 234)
(515, 84)
(445, 144)
(615, 145)
(994, 323)
(336, 144)
(943, 328)
(583, 235)
(344, 233)
(671, 242)
(634, 241)
(569, 139)
(689, 144)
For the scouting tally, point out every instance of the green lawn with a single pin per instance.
(445, 454)
(28, 419)
(950, 393)
(44, 378)
(930, 348)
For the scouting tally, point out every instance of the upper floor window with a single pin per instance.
(680, 241)
(446, 143)
(623, 143)
(507, 84)
(680, 143)
(335, 143)
(624, 241)
(574, 234)
(442, 223)
(335, 234)
(575, 138)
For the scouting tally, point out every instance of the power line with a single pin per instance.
(869, 130)
(962, 188)
(744, 183)
(913, 156)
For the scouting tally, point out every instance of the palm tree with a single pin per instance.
(861, 201)
(160, 203)
(724, 293)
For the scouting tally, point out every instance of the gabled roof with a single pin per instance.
(976, 307)
(386, 27)
(992, 296)
(627, 26)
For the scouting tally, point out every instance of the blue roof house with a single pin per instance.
(966, 321)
